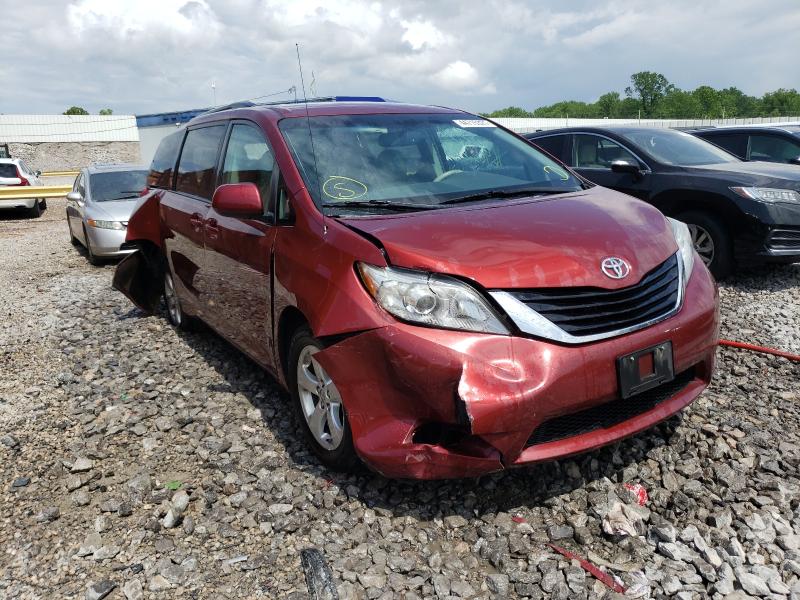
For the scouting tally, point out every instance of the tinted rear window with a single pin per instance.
(163, 165)
(117, 185)
(8, 170)
(554, 144)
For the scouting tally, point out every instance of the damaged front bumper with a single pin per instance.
(429, 404)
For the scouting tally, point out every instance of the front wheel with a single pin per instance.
(711, 241)
(175, 314)
(90, 255)
(319, 405)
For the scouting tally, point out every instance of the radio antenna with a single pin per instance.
(311, 138)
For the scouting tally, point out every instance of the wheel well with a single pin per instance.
(674, 202)
(291, 319)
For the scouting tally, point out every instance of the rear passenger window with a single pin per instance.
(198, 162)
(248, 159)
(8, 170)
(735, 143)
(163, 165)
(554, 144)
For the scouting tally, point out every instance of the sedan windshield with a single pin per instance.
(384, 161)
(117, 185)
(678, 148)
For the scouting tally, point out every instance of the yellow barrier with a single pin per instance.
(60, 174)
(26, 192)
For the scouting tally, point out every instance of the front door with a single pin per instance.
(592, 156)
(239, 251)
(184, 212)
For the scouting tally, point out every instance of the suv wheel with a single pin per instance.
(318, 404)
(711, 241)
(172, 303)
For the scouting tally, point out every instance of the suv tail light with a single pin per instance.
(22, 180)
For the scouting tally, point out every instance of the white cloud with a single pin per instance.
(124, 19)
(460, 76)
(420, 34)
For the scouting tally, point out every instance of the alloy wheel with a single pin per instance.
(171, 299)
(319, 400)
(703, 243)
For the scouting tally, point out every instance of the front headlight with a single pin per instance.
(429, 299)
(105, 224)
(767, 194)
(685, 246)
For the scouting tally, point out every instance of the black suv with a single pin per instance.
(736, 211)
(771, 144)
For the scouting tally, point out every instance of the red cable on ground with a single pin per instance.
(599, 574)
(754, 348)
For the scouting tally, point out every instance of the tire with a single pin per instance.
(711, 241)
(43, 203)
(172, 304)
(72, 239)
(90, 255)
(35, 211)
(332, 440)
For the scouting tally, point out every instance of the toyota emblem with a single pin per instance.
(615, 267)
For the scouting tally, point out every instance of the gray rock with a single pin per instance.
(100, 589)
(133, 590)
(82, 464)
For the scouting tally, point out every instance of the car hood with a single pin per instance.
(756, 173)
(112, 210)
(534, 242)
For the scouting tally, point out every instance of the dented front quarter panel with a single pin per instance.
(394, 378)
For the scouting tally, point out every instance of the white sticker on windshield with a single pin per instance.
(473, 123)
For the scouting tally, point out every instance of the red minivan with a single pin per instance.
(440, 298)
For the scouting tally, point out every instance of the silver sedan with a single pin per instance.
(99, 205)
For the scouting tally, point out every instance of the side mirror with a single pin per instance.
(238, 200)
(38, 173)
(794, 161)
(623, 166)
(74, 197)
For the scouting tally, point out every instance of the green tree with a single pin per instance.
(76, 110)
(648, 88)
(608, 105)
(106, 111)
(708, 100)
(781, 103)
(510, 112)
(678, 104)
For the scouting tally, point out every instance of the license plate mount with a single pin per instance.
(645, 369)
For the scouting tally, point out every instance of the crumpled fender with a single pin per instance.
(139, 275)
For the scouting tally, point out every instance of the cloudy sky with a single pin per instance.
(139, 56)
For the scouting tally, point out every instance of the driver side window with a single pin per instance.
(595, 152)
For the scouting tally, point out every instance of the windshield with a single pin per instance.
(117, 185)
(416, 160)
(678, 148)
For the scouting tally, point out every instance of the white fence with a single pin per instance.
(529, 125)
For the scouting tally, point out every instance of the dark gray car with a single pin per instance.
(99, 205)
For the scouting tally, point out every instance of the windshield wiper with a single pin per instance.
(488, 194)
(378, 204)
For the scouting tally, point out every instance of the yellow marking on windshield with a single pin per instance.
(339, 187)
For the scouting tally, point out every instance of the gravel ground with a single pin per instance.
(138, 462)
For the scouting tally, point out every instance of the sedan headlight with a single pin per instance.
(685, 246)
(429, 299)
(105, 224)
(767, 194)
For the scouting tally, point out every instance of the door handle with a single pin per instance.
(196, 220)
(211, 229)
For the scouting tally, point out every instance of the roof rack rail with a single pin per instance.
(248, 103)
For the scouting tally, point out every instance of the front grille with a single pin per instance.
(784, 239)
(609, 414)
(584, 311)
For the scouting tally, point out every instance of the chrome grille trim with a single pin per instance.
(531, 322)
